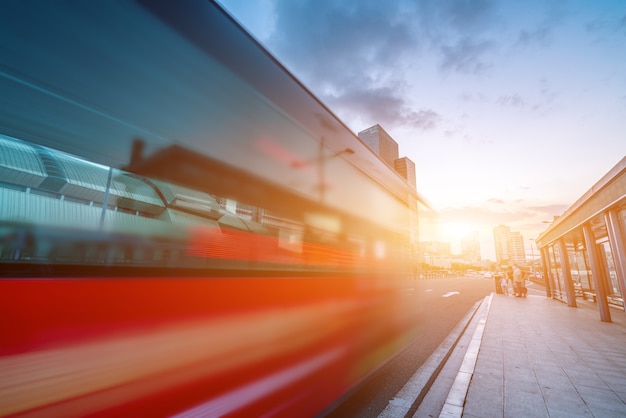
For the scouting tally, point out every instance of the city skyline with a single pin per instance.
(510, 112)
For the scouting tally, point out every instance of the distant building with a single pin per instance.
(436, 253)
(381, 143)
(470, 248)
(501, 240)
(406, 168)
(509, 246)
(518, 254)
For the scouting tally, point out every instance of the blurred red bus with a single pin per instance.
(184, 228)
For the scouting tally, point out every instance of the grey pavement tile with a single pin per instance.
(613, 377)
(601, 364)
(485, 361)
(565, 348)
(602, 399)
(566, 400)
(620, 391)
(538, 340)
(567, 353)
(524, 404)
(495, 330)
(607, 413)
(586, 379)
(548, 369)
(484, 408)
(619, 388)
(511, 333)
(570, 364)
(487, 382)
(557, 339)
(615, 368)
(516, 345)
(564, 393)
(568, 413)
(538, 354)
(488, 353)
(466, 415)
(568, 410)
(553, 382)
(583, 350)
(498, 375)
(485, 397)
(490, 406)
(512, 386)
(485, 344)
(580, 368)
(612, 347)
(609, 346)
(510, 348)
(519, 373)
(599, 357)
(490, 367)
(621, 394)
(516, 360)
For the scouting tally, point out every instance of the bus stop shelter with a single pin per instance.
(583, 250)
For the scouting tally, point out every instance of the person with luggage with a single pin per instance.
(504, 285)
(518, 281)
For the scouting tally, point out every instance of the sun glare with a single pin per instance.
(455, 230)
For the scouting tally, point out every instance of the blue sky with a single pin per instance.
(510, 110)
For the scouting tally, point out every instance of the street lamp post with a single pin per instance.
(532, 257)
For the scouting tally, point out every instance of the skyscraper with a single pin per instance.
(381, 143)
(517, 252)
(501, 239)
(406, 168)
(509, 245)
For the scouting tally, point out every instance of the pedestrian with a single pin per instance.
(504, 285)
(518, 277)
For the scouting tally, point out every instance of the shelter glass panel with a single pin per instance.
(578, 268)
(556, 273)
(611, 271)
(584, 266)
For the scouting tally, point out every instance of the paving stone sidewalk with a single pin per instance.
(540, 358)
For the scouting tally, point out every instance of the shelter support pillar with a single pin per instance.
(597, 273)
(616, 239)
(546, 269)
(567, 274)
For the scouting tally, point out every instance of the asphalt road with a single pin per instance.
(446, 301)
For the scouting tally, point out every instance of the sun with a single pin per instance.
(455, 231)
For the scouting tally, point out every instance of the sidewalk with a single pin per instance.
(540, 358)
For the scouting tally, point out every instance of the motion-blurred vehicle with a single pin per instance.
(184, 228)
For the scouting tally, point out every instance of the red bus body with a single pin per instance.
(181, 233)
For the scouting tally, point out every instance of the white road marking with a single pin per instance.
(447, 295)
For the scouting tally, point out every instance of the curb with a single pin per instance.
(413, 392)
(453, 407)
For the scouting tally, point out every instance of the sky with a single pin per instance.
(510, 110)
